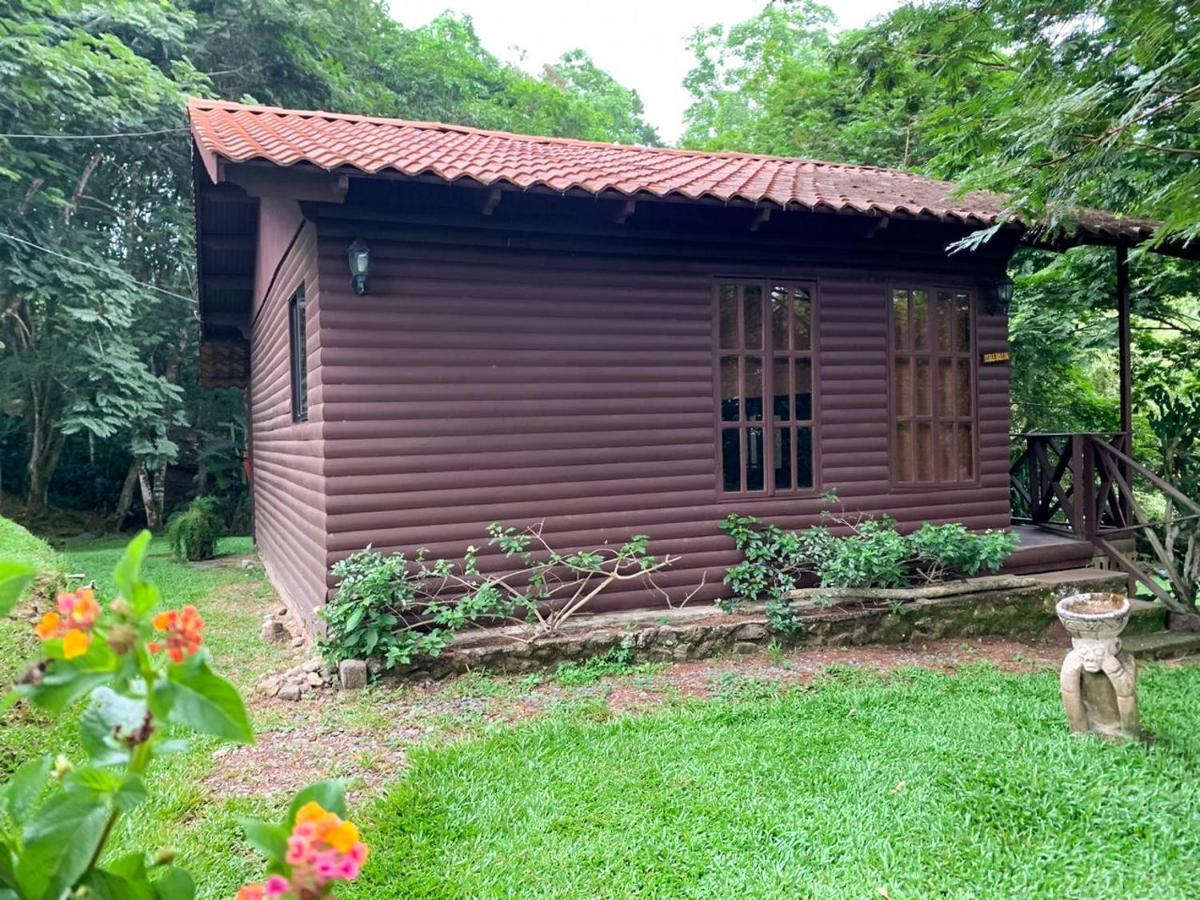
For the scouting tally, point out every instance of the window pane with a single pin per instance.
(920, 320)
(924, 405)
(801, 319)
(730, 404)
(298, 350)
(945, 320)
(727, 304)
(966, 452)
(754, 388)
(904, 388)
(783, 458)
(782, 388)
(752, 312)
(804, 460)
(779, 318)
(804, 407)
(900, 319)
(965, 397)
(905, 468)
(947, 459)
(731, 460)
(755, 462)
(962, 322)
(945, 387)
(924, 452)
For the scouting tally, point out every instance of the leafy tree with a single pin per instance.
(97, 333)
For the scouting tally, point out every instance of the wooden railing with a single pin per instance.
(1083, 485)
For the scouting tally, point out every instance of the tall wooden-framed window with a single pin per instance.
(298, 355)
(933, 389)
(765, 377)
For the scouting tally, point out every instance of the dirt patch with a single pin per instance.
(365, 736)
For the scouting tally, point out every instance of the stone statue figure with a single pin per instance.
(1098, 678)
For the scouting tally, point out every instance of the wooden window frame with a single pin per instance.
(768, 354)
(933, 355)
(297, 309)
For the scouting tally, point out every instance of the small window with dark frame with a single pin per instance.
(765, 350)
(298, 355)
(933, 386)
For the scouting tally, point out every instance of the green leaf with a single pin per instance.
(194, 696)
(106, 714)
(331, 795)
(266, 837)
(101, 785)
(22, 791)
(14, 578)
(126, 573)
(174, 884)
(59, 842)
(106, 884)
(131, 793)
(62, 685)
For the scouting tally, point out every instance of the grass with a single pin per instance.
(924, 784)
(921, 784)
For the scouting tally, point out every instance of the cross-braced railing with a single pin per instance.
(1088, 486)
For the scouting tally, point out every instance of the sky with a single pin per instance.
(642, 43)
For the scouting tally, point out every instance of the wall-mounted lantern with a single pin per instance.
(1000, 296)
(359, 257)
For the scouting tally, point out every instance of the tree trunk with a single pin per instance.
(44, 453)
(125, 499)
(153, 480)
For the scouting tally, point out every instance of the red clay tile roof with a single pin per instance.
(336, 142)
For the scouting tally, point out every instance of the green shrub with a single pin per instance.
(873, 555)
(951, 550)
(193, 533)
(393, 608)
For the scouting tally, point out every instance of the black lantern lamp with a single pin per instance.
(1000, 296)
(359, 256)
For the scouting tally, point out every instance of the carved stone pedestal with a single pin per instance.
(1099, 679)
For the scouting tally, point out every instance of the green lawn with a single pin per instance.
(923, 785)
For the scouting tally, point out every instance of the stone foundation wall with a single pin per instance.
(1022, 607)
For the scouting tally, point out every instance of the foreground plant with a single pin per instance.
(147, 679)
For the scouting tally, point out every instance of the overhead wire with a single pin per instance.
(82, 262)
(92, 137)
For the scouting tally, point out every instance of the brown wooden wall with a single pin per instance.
(288, 477)
(518, 372)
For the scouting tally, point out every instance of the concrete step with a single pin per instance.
(1146, 617)
(1162, 644)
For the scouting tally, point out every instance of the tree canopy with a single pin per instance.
(97, 327)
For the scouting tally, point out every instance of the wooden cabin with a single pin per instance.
(439, 327)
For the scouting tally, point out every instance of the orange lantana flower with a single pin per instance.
(182, 628)
(76, 614)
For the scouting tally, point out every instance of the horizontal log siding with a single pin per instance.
(475, 384)
(288, 457)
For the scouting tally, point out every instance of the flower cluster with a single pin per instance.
(321, 849)
(182, 628)
(76, 614)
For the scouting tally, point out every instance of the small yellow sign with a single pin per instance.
(991, 359)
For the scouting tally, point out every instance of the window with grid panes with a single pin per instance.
(765, 376)
(933, 390)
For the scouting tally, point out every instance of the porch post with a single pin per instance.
(1125, 364)
(1123, 344)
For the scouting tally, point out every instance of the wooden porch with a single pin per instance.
(1078, 496)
